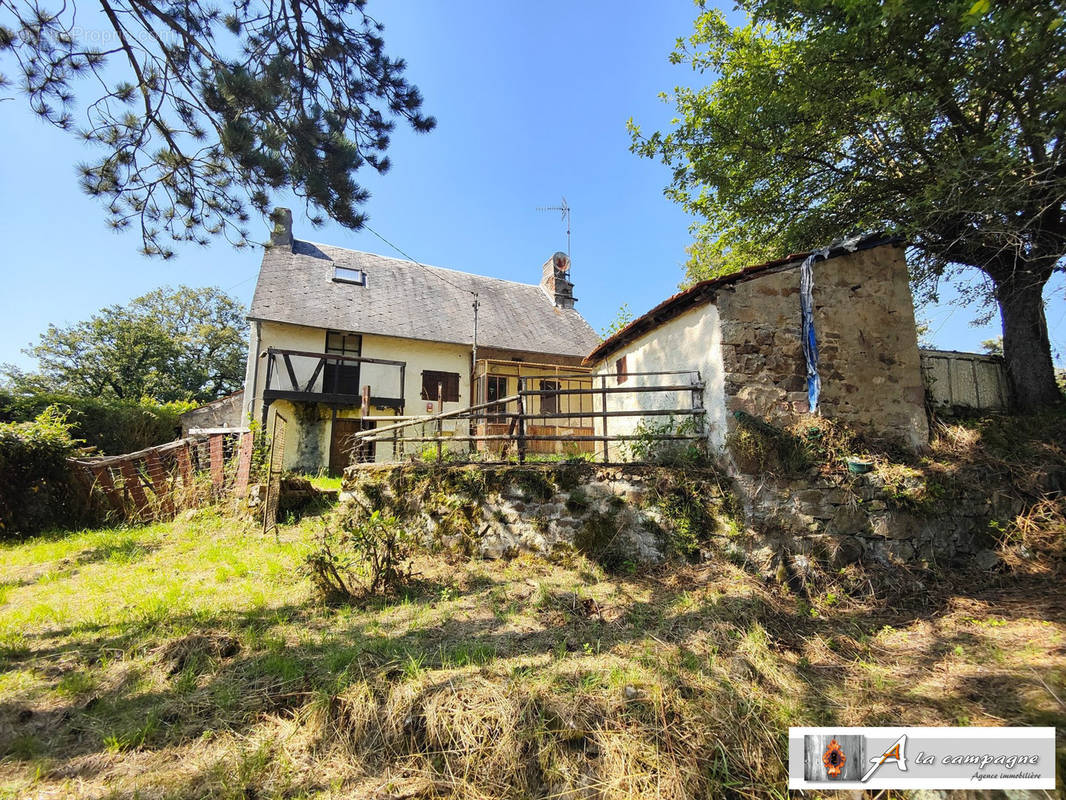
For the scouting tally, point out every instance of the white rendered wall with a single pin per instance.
(308, 435)
(691, 341)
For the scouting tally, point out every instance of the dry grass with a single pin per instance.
(189, 660)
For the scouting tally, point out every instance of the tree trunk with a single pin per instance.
(1026, 348)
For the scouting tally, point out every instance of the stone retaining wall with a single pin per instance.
(844, 520)
(645, 515)
(639, 515)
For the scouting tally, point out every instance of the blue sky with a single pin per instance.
(531, 101)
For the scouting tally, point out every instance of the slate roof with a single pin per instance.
(704, 292)
(411, 301)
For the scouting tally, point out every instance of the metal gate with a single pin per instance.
(275, 469)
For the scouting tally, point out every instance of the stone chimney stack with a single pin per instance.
(555, 280)
(281, 236)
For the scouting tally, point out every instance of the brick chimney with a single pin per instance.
(555, 280)
(281, 236)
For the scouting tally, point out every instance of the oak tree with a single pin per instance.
(170, 344)
(940, 121)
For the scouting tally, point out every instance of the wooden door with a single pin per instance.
(342, 451)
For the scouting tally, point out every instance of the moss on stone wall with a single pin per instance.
(620, 517)
(977, 488)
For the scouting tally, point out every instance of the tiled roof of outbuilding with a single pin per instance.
(411, 301)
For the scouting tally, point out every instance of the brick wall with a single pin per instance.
(864, 322)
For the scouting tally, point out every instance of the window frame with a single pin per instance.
(497, 384)
(351, 275)
(344, 350)
(452, 380)
(549, 403)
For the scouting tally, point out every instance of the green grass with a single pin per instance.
(326, 483)
(191, 659)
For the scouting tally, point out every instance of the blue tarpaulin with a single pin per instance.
(810, 341)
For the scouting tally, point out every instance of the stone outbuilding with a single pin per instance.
(744, 332)
(225, 412)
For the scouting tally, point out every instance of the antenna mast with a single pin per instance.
(564, 210)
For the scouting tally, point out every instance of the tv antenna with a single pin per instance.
(564, 210)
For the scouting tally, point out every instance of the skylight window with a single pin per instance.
(349, 275)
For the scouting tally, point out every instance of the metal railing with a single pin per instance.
(532, 421)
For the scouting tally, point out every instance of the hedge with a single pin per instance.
(110, 427)
(37, 487)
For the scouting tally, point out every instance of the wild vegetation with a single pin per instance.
(37, 490)
(1022, 458)
(190, 660)
(198, 659)
(358, 558)
(101, 426)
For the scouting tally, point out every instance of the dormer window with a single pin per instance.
(349, 275)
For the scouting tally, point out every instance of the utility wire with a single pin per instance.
(239, 283)
(420, 264)
(437, 274)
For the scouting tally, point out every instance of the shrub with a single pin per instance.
(37, 488)
(759, 447)
(362, 557)
(650, 449)
(112, 427)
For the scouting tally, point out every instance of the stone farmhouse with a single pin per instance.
(343, 340)
(744, 334)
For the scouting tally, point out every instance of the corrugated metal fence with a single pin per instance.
(969, 380)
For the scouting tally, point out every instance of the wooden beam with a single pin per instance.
(291, 371)
(244, 465)
(217, 474)
(132, 484)
(102, 474)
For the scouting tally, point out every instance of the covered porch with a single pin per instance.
(554, 410)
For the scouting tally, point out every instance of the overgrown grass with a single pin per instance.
(190, 660)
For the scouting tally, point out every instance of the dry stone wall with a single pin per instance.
(618, 516)
(868, 351)
(841, 520)
(645, 515)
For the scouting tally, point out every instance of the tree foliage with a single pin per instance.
(37, 489)
(993, 347)
(199, 110)
(102, 425)
(622, 317)
(942, 122)
(170, 344)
